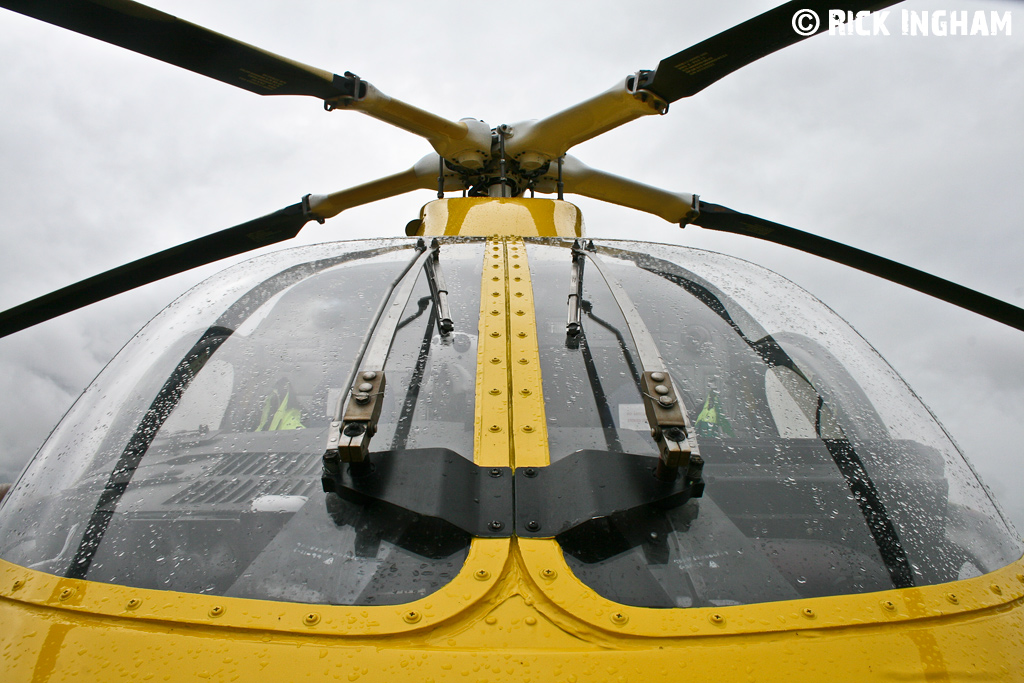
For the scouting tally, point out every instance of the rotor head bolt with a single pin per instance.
(666, 401)
(661, 389)
(658, 376)
(362, 398)
(369, 375)
(364, 387)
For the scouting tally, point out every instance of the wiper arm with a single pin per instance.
(670, 425)
(352, 428)
(438, 290)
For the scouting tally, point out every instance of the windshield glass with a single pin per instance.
(822, 477)
(195, 461)
(208, 477)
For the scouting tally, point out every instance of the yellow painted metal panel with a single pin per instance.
(511, 217)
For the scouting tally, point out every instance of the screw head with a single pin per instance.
(530, 472)
(134, 603)
(619, 619)
(496, 525)
(495, 472)
(481, 575)
(411, 617)
(532, 525)
(311, 619)
(548, 574)
(216, 611)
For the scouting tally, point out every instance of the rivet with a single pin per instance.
(495, 312)
(494, 392)
(528, 429)
(889, 605)
(66, 593)
(311, 619)
(658, 376)
(369, 375)
(18, 583)
(618, 618)
(411, 617)
(495, 278)
(481, 575)
(524, 392)
(516, 265)
(530, 472)
(521, 335)
(365, 386)
(134, 603)
(523, 361)
(808, 612)
(216, 611)
(491, 621)
(666, 401)
(717, 619)
(495, 266)
(952, 597)
(519, 293)
(517, 278)
(495, 334)
(515, 255)
(996, 588)
(495, 360)
(549, 574)
(533, 525)
(661, 389)
(496, 525)
(495, 428)
(520, 312)
(496, 472)
(495, 294)
(531, 621)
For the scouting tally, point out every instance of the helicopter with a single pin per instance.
(660, 121)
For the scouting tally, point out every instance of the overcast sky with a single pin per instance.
(911, 147)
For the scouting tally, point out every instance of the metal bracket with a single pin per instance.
(561, 498)
(633, 85)
(444, 491)
(440, 487)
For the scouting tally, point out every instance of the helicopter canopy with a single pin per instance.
(194, 461)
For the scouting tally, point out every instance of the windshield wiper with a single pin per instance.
(669, 423)
(348, 439)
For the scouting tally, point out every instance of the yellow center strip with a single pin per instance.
(491, 430)
(529, 423)
(510, 424)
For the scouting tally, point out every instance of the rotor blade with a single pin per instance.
(714, 217)
(688, 72)
(162, 36)
(269, 229)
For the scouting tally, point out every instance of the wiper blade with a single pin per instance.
(438, 290)
(352, 428)
(670, 425)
